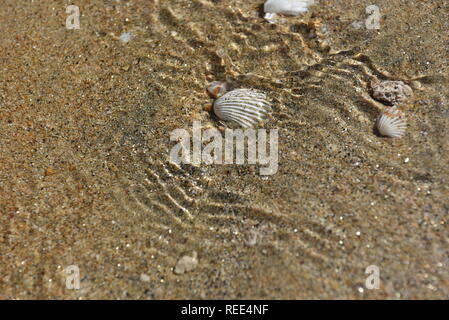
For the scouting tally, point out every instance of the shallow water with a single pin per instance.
(85, 180)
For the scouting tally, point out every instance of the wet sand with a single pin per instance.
(85, 180)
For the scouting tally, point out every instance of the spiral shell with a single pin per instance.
(246, 107)
(392, 123)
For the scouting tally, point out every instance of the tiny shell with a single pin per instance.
(217, 88)
(270, 17)
(290, 7)
(246, 107)
(392, 123)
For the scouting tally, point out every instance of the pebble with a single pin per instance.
(391, 92)
(186, 263)
(144, 278)
(252, 238)
(126, 37)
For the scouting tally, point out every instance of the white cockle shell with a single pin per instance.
(290, 7)
(246, 107)
(392, 123)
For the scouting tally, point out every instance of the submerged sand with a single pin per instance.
(85, 122)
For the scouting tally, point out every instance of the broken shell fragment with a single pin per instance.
(217, 88)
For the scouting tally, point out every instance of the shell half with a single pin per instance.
(290, 7)
(392, 123)
(246, 107)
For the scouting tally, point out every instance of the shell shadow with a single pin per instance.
(260, 10)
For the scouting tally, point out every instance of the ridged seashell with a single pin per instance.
(245, 107)
(392, 123)
(217, 88)
(291, 7)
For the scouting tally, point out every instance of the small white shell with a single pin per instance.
(392, 123)
(245, 107)
(271, 17)
(217, 88)
(290, 7)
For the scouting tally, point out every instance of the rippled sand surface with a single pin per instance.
(85, 180)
